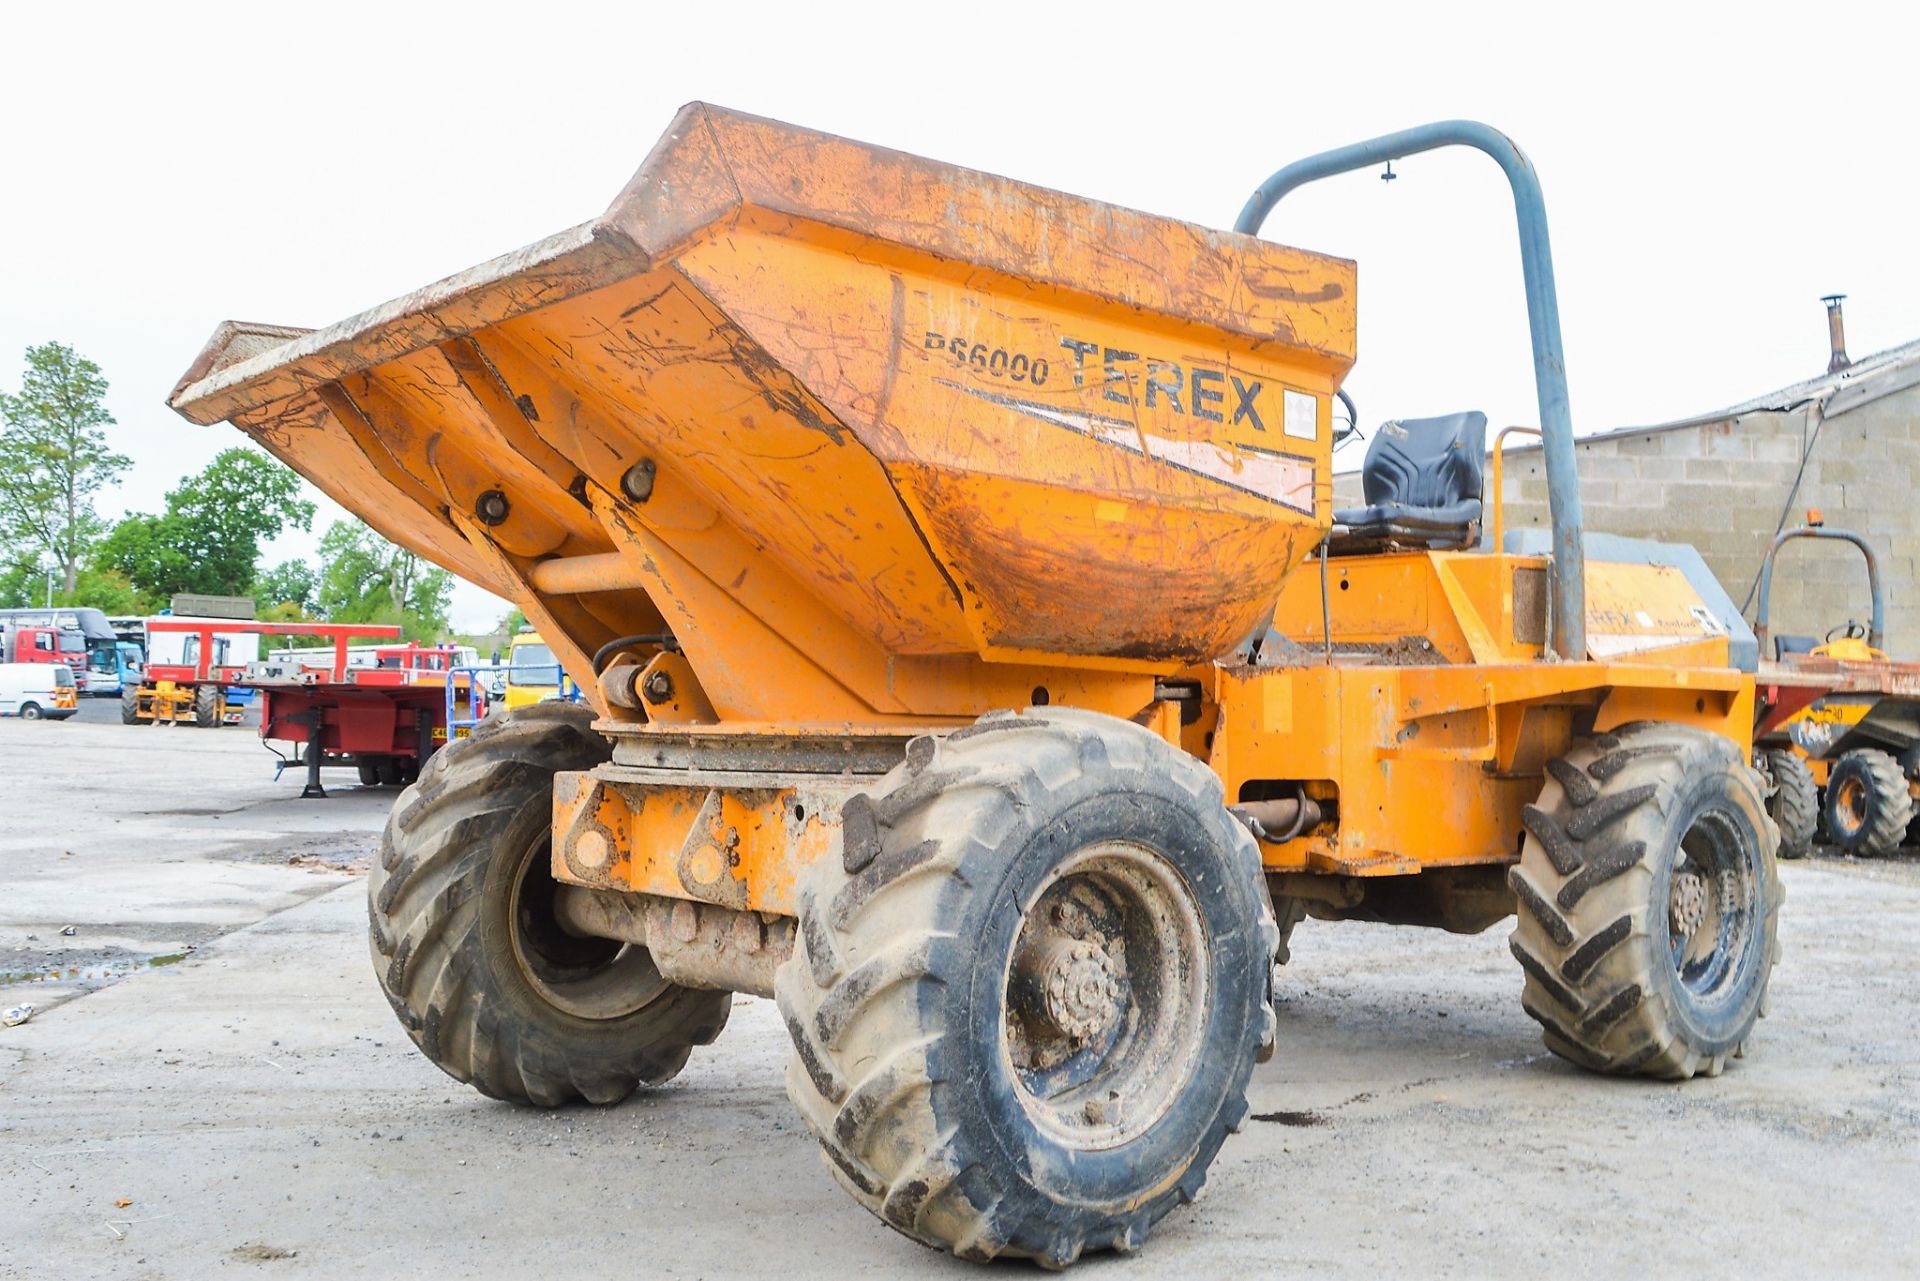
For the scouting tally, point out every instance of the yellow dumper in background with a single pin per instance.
(533, 675)
(982, 671)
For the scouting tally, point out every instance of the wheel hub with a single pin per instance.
(1106, 995)
(1075, 985)
(1686, 903)
(1852, 807)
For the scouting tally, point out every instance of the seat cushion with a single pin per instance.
(1439, 520)
(1422, 481)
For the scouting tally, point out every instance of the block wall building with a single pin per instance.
(1847, 443)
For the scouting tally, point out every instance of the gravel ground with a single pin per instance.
(255, 1106)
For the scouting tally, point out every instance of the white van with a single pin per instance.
(35, 690)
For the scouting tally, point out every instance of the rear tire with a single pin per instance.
(1795, 806)
(1868, 805)
(30, 712)
(206, 706)
(1648, 902)
(130, 705)
(467, 947)
(1910, 766)
(387, 770)
(368, 769)
(1026, 1003)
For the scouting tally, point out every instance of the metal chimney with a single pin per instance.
(1836, 333)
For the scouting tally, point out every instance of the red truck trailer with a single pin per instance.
(384, 720)
(193, 689)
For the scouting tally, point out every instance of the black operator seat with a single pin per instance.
(1784, 645)
(1422, 481)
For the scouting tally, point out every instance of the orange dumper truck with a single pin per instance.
(979, 666)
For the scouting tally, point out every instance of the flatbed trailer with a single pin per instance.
(194, 690)
(384, 720)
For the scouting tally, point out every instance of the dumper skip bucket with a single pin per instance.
(795, 395)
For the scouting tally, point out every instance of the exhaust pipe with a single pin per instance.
(1836, 334)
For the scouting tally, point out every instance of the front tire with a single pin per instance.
(1026, 1003)
(1868, 804)
(130, 705)
(1647, 919)
(470, 953)
(207, 703)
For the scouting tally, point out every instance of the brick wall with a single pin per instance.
(1721, 487)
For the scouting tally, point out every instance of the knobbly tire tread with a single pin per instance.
(438, 950)
(1583, 890)
(1910, 766)
(875, 953)
(130, 705)
(1890, 809)
(206, 706)
(1795, 807)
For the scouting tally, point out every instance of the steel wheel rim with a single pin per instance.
(1850, 806)
(1105, 996)
(589, 978)
(1712, 909)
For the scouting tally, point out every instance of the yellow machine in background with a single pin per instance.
(1839, 729)
(983, 671)
(533, 674)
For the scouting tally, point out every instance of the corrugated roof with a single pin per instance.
(1868, 369)
(1863, 382)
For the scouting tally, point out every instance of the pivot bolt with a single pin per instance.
(657, 688)
(492, 508)
(637, 481)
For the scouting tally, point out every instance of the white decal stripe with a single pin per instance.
(1277, 478)
(1268, 475)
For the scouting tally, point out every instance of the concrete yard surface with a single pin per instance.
(257, 1107)
(148, 841)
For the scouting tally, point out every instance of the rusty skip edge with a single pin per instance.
(236, 372)
(710, 165)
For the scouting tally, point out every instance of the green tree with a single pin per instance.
(23, 582)
(109, 591)
(366, 579)
(285, 611)
(150, 551)
(54, 459)
(291, 582)
(208, 539)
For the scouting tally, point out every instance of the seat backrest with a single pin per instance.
(1785, 644)
(1427, 462)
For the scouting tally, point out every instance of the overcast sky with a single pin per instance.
(163, 167)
